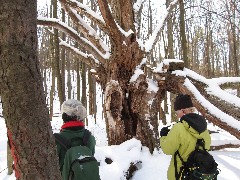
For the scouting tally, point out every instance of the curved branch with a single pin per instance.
(219, 147)
(157, 32)
(73, 34)
(207, 113)
(86, 12)
(223, 113)
(100, 70)
(109, 20)
(211, 90)
(86, 58)
(85, 29)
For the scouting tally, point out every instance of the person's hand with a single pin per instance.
(164, 131)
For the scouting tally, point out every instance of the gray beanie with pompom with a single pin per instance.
(74, 107)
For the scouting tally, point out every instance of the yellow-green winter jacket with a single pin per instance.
(183, 137)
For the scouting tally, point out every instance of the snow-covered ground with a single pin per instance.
(153, 167)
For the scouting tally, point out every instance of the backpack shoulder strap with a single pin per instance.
(175, 163)
(65, 143)
(200, 142)
(86, 137)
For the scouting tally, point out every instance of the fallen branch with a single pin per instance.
(132, 168)
(215, 148)
(3, 170)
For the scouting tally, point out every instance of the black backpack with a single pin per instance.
(79, 163)
(199, 165)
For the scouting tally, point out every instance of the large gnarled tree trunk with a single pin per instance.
(128, 111)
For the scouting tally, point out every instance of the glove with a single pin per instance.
(164, 131)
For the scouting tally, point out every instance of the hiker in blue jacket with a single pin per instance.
(73, 114)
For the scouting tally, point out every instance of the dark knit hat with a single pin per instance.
(182, 101)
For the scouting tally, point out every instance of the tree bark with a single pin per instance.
(24, 106)
(170, 32)
(57, 58)
(63, 59)
(78, 79)
(9, 160)
(92, 93)
(183, 34)
(69, 85)
(84, 84)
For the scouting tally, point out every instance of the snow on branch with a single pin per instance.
(211, 108)
(225, 80)
(218, 106)
(81, 8)
(109, 20)
(213, 87)
(154, 37)
(137, 5)
(74, 34)
(126, 34)
(86, 29)
(86, 58)
(86, 11)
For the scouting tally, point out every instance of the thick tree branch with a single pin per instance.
(216, 148)
(122, 12)
(85, 29)
(86, 58)
(99, 71)
(154, 38)
(73, 34)
(86, 12)
(115, 34)
(211, 117)
(222, 113)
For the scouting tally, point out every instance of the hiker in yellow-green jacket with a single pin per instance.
(183, 135)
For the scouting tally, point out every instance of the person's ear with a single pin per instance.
(183, 111)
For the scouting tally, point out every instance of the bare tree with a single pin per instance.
(183, 34)
(58, 74)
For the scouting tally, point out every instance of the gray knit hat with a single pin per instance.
(74, 107)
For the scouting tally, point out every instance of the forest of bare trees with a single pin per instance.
(102, 44)
(194, 31)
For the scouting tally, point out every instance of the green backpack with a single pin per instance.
(79, 163)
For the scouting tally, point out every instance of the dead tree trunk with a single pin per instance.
(130, 106)
(175, 84)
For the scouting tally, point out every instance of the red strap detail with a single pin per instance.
(15, 159)
(72, 124)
